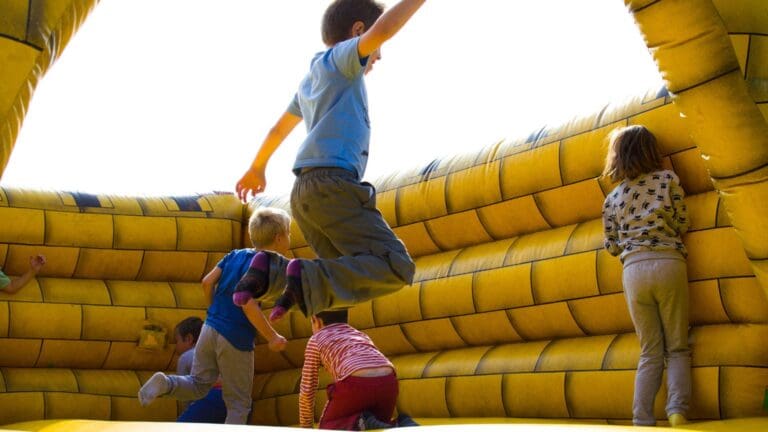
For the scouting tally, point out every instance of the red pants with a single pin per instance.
(348, 398)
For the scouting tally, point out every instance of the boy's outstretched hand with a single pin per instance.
(36, 262)
(252, 183)
(278, 343)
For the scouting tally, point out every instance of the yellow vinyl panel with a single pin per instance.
(433, 335)
(108, 382)
(702, 210)
(563, 278)
(22, 226)
(447, 297)
(417, 239)
(582, 156)
(531, 171)
(188, 295)
(3, 252)
(742, 390)
(691, 170)
(421, 201)
(757, 69)
(60, 261)
(624, 352)
(287, 411)
(481, 257)
(541, 245)
(603, 314)
(715, 253)
(282, 382)
(743, 16)
(19, 352)
(169, 317)
(600, 394)
(457, 230)
(128, 409)
(126, 355)
(511, 358)
(402, 306)
(197, 234)
(130, 293)
(538, 395)
(4, 313)
(267, 361)
(145, 232)
(706, 305)
(386, 203)
(411, 398)
(78, 229)
(668, 126)
(26, 406)
(434, 266)
(62, 321)
(587, 236)
(72, 354)
(485, 400)
(111, 323)
(412, 366)
(108, 264)
(584, 353)
(473, 187)
(360, 317)
(390, 340)
(503, 288)
(513, 217)
(455, 363)
(741, 47)
(609, 271)
(81, 291)
(36, 379)
(15, 14)
(549, 321)
(79, 406)
(264, 412)
(215, 257)
(744, 300)
(725, 344)
(173, 266)
(705, 401)
(752, 202)
(571, 204)
(294, 352)
(489, 328)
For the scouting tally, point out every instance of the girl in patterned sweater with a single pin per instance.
(644, 217)
(365, 387)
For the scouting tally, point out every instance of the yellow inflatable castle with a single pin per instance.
(516, 313)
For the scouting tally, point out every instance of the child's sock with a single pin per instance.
(368, 421)
(293, 293)
(404, 420)
(254, 282)
(156, 386)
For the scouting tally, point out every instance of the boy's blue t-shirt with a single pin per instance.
(223, 315)
(334, 104)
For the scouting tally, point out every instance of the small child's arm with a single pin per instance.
(209, 284)
(254, 180)
(254, 314)
(36, 262)
(677, 195)
(308, 386)
(611, 230)
(388, 24)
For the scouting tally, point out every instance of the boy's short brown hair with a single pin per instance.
(342, 14)
(265, 223)
(631, 151)
(190, 326)
(334, 316)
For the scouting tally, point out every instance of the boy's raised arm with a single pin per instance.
(254, 180)
(388, 24)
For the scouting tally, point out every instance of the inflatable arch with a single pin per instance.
(516, 311)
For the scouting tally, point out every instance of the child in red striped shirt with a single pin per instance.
(364, 391)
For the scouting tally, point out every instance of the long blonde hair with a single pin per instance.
(631, 151)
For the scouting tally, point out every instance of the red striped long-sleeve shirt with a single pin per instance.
(342, 350)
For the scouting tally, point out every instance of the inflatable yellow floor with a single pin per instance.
(516, 312)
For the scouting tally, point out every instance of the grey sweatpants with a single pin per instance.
(214, 357)
(359, 257)
(656, 289)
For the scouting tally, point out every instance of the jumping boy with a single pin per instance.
(365, 387)
(225, 345)
(359, 256)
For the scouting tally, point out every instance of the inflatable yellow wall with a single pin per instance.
(516, 311)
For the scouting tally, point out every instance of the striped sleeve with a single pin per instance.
(309, 384)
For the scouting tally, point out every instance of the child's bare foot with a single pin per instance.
(254, 282)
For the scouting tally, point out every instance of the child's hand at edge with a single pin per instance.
(36, 262)
(278, 343)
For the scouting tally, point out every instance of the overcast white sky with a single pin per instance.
(174, 96)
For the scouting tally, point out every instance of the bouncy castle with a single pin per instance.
(516, 314)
